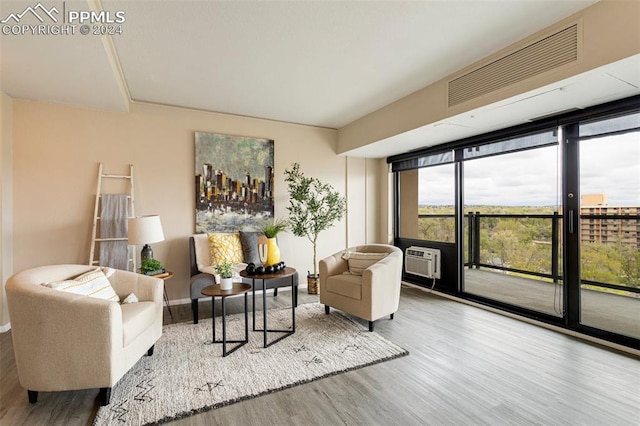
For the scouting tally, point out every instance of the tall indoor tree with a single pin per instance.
(314, 206)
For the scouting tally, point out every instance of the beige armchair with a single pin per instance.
(64, 341)
(370, 296)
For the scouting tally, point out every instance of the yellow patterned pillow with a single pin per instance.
(225, 248)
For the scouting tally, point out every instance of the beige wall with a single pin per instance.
(367, 201)
(56, 154)
(356, 196)
(609, 34)
(6, 213)
(380, 202)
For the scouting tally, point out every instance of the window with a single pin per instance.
(427, 198)
(517, 225)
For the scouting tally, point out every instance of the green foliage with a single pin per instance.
(437, 229)
(630, 266)
(525, 243)
(599, 262)
(150, 265)
(614, 263)
(274, 228)
(314, 206)
(225, 269)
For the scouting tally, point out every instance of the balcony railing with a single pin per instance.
(479, 239)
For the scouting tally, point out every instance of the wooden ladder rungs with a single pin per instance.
(99, 217)
(97, 262)
(96, 216)
(117, 176)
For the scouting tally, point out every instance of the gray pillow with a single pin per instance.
(249, 241)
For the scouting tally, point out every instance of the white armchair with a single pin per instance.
(370, 296)
(64, 341)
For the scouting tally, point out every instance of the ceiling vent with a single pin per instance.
(551, 52)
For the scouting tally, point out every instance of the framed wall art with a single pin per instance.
(233, 182)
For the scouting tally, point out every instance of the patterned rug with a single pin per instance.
(187, 375)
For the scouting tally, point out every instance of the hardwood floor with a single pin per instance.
(467, 366)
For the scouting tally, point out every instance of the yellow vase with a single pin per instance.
(273, 252)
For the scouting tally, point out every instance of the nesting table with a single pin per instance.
(287, 272)
(237, 289)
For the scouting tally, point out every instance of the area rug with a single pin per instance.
(187, 375)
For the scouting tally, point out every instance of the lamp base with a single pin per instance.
(146, 253)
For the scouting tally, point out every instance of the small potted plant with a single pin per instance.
(271, 229)
(225, 269)
(151, 266)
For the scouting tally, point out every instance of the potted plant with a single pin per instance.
(271, 229)
(313, 207)
(151, 266)
(225, 269)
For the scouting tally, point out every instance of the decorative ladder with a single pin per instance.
(96, 217)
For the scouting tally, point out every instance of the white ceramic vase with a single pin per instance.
(226, 283)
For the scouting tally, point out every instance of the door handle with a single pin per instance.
(571, 222)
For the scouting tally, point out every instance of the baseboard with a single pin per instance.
(571, 333)
(5, 328)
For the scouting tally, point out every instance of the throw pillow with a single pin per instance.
(93, 283)
(225, 248)
(131, 298)
(249, 241)
(359, 261)
(108, 272)
(202, 251)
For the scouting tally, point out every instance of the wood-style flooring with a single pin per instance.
(467, 366)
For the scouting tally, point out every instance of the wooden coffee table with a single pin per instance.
(285, 273)
(214, 291)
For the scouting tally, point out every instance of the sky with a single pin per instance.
(609, 165)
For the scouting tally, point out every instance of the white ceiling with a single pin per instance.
(611, 82)
(324, 63)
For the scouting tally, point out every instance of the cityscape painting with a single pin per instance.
(233, 182)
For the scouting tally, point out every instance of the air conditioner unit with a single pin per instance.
(422, 261)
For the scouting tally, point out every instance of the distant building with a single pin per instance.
(603, 230)
(594, 200)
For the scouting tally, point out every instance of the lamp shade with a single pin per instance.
(145, 230)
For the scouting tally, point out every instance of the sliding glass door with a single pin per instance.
(545, 218)
(609, 229)
(512, 219)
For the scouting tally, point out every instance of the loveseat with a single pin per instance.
(203, 273)
(66, 341)
(363, 281)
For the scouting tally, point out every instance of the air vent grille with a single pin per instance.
(551, 52)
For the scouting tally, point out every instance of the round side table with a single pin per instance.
(214, 291)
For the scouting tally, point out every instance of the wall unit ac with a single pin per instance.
(422, 261)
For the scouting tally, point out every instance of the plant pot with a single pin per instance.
(226, 283)
(313, 286)
(273, 252)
